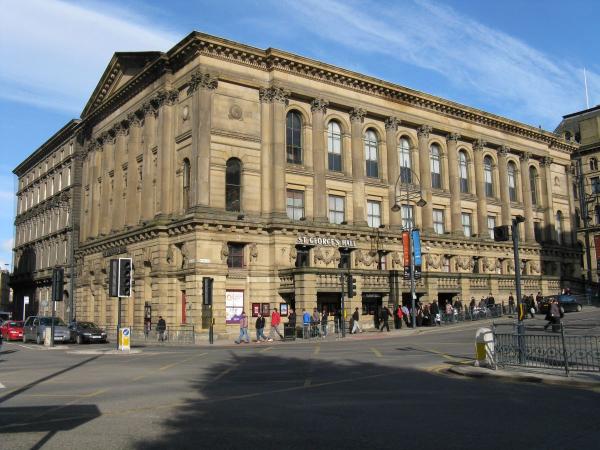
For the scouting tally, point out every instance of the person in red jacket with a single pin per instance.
(275, 321)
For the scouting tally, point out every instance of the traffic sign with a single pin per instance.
(125, 339)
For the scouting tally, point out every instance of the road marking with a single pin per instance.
(376, 352)
(168, 366)
(443, 355)
(265, 349)
(317, 349)
(222, 374)
(307, 382)
(2, 386)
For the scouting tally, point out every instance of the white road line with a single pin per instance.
(2, 386)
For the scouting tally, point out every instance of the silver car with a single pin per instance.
(34, 329)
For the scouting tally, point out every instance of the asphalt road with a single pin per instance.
(369, 393)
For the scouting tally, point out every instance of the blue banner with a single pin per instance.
(417, 247)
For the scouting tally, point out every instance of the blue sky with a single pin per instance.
(520, 59)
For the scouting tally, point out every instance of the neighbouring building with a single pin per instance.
(583, 127)
(274, 174)
(5, 297)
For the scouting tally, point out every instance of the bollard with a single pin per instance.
(484, 348)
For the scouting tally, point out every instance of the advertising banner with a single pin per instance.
(597, 246)
(406, 252)
(416, 237)
(234, 305)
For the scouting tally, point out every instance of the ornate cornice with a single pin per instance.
(423, 131)
(453, 137)
(357, 115)
(166, 97)
(546, 161)
(319, 105)
(120, 129)
(135, 119)
(199, 80)
(392, 123)
(525, 156)
(479, 144)
(274, 94)
(503, 150)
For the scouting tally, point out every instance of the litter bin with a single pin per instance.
(484, 347)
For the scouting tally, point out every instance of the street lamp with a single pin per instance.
(407, 188)
(520, 307)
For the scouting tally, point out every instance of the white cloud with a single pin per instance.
(54, 52)
(521, 80)
(7, 245)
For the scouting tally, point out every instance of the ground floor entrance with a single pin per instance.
(329, 301)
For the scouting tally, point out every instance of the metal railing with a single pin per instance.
(538, 348)
(172, 335)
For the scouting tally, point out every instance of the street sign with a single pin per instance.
(26, 300)
(125, 339)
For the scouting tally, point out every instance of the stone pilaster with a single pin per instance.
(134, 143)
(570, 173)
(527, 203)
(359, 216)
(425, 177)
(117, 212)
(455, 211)
(107, 185)
(319, 108)
(266, 150)
(504, 188)
(148, 200)
(201, 86)
(391, 142)
(478, 147)
(166, 101)
(547, 198)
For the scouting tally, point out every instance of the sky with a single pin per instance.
(520, 59)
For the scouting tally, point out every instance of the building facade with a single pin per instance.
(46, 224)
(583, 127)
(274, 174)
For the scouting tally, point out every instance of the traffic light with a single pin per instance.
(501, 233)
(351, 286)
(58, 276)
(125, 273)
(113, 278)
(207, 290)
(521, 312)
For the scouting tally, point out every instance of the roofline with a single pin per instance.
(593, 108)
(57, 138)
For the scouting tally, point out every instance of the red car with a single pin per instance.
(12, 330)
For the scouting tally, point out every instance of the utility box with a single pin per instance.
(484, 348)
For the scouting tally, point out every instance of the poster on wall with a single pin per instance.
(255, 309)
(266, 309)
(283, 309)
(234, 305)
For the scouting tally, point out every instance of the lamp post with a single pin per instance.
(408, 188)
(520, 307)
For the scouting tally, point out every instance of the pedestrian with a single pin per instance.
(491, 302)
(305, 323)
(291, 324)
(243, 329)
(385, 315)
(511, 303)
(260, 328)
(426, 316)
(472, 304)
(147, 327)
(324, 320)
(399, 315)
(397, 318)
(337, 314)
(405, 315)
(419, 317)
(275, 321)
(538, 300)
(531, 306)
(434, 310)
(355, 324)
(449, 313)
(553, 316)
(161, 327)
(315, 320)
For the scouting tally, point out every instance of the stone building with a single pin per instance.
(47, 213)
(274, 174)
(583, 127)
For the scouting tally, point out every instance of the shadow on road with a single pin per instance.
(268, 401)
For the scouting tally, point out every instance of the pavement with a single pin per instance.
(373, 390)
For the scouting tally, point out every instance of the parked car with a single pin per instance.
(566, 302)
(83, 332)
(12, 330)
(34, 329)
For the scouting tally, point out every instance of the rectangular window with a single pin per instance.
(344, 260)
(491, 223)
(295, 204)
(372, 164)
(537, 231)
(336, 209)
(438, 221)
(489, 187)
(436, 174)
(407, 217)
(466, 223)
(235, 259)
(374, 213)
(595, 185)
(302, 257)
(446, 264)
(334, 153)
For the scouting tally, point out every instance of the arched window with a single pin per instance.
(559, 227)
(233, 185)
(371, 156)
(334, 146)
(593, 164)
(512, 181)
(488, 176)
(405, 161)
(436, 167)
(533, 184)
(293, 137)
(463, 172)
(186, 183)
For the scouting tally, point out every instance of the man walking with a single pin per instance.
(405, 315)
(356, 326)
(511, 304)
(385, 315)
(305, 324)
(260, 328)
(275, 321)
(243, 329)
(161, 327)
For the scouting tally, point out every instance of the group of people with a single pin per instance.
(260, 327)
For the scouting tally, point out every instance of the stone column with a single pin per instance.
(117, 211)
(425, 178)
(504, 188)
(166, 150)
(527, 204)
(391, 142)
(133, 148)
(279, 97)
(147, 206)
(570, 173)
(478, 147)
(455, 211)
(201, 87)
(547, 198)
(106, 186)
(357, 116)
(266, 151)
(319, 108)
(95, 188)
